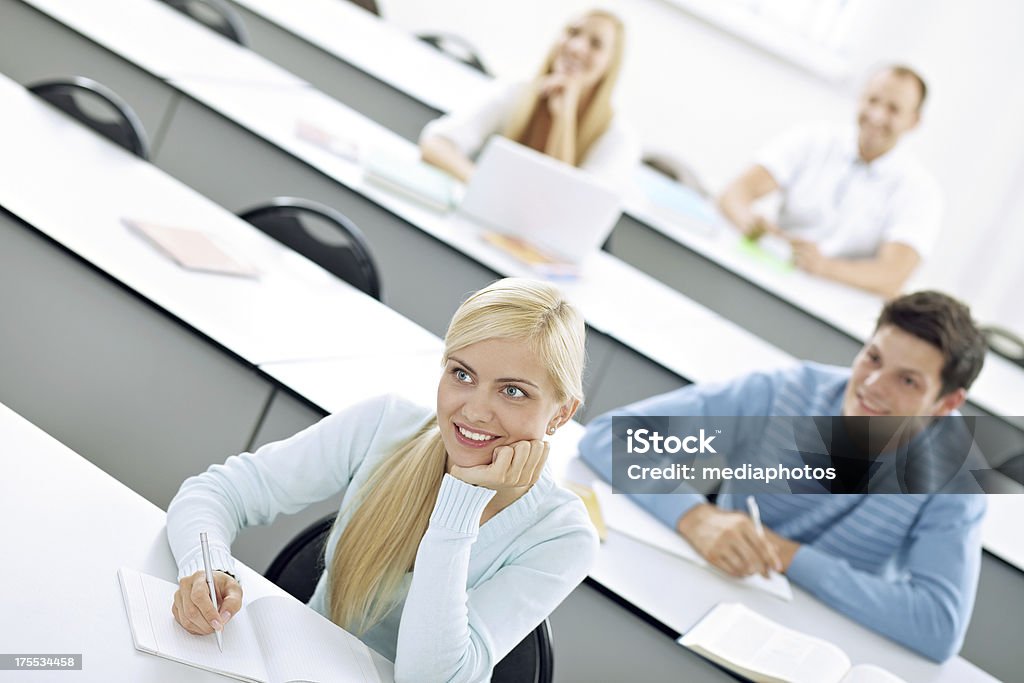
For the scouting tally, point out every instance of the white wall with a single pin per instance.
(691, 88)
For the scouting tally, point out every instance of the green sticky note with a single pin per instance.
(755, 251)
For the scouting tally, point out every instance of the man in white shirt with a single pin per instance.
(854, 208)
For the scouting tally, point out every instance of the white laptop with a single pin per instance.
(517, 191)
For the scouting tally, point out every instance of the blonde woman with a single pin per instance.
(453, 541)
(566, 112)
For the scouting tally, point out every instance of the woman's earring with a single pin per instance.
(551, 429)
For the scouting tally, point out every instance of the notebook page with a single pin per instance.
(743, 637)
(301, 645)
(148, 600)
(626, 517)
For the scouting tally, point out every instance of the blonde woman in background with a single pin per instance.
(565, 112)
(453, 541)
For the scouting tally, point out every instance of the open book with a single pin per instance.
(270, 640)
(741, 640)
(628, 518)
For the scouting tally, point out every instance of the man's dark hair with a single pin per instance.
(904, 71)
(946, 324)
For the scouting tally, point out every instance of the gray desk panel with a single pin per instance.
(37, 47)
(993, 639)
(596, 640)
(115, 379)
(766, 315)
(339, 79)
(626, 376)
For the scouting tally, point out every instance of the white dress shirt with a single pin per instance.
(847, 206)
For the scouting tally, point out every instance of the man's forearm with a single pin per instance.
(873, 275)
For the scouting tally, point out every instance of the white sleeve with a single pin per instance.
(281, 477)
(469, 128)
(786, 155)
(449, 633)
(614, 156)
(915, 214)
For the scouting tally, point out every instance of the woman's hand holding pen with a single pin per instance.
(193, 608)
(515, 466)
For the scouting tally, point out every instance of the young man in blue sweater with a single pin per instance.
(903, 565)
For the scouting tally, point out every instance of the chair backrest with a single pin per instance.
(456, 47)
(98, 107)
(321, 234)
(298, 567)
(531, 661)
(216, 15)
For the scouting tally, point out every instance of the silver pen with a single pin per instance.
(755, 514)
(209, 582)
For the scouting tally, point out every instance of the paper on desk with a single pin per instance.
(628, 518)
(326, 140)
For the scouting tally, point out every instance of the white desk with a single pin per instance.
(69, 527)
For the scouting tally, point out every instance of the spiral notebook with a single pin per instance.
(274, 639)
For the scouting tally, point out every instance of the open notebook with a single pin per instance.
(626, 517)
(741, 640)
(270, 640)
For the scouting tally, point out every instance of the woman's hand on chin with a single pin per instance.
(515, 466)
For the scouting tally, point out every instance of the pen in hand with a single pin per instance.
(209, 582)
(755, 515)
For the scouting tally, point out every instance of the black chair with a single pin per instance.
(98, 107)
(215, 15)
(456, 47)
(531, 661)
(322, 235)
(298, 566)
